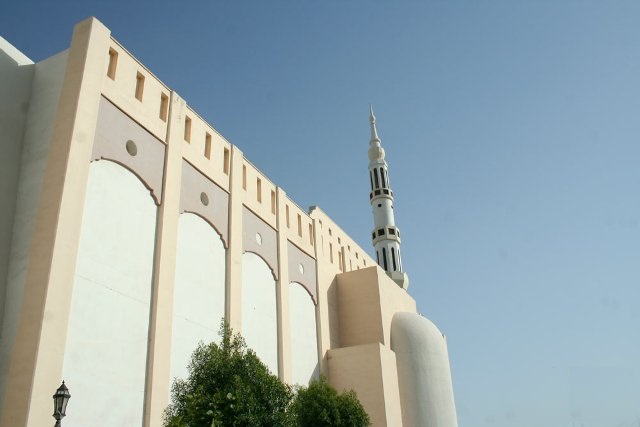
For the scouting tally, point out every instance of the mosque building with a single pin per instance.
(129, 227)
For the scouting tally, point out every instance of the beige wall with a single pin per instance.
(369, 370)
(36, 361)
(34, 148)
(367, 299)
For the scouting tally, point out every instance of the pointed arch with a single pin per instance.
(304, 343)
(259, 310)
(106, 354)
(199, 289)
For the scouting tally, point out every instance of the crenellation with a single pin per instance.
(122, 77)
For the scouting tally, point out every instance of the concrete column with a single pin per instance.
(327, 286)
(37, 359)
(161, 322)
(233, 294)
(282, 292)
(322, 329)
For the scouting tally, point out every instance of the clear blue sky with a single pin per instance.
(512, 131)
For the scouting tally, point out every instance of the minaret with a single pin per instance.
(385, 236)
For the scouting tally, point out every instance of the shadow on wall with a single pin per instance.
(334, 317)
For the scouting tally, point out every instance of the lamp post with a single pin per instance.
(60, 400)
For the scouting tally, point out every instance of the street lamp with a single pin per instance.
(60, 400)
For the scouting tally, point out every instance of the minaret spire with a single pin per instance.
(385, 236)
(372, 122)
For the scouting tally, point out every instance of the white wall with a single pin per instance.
(106, 349)
(198, 305)
(259, 322)
(304, 344)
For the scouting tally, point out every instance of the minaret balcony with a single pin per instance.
(385, 233)
(381, 192)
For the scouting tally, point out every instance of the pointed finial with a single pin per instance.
(372, 121)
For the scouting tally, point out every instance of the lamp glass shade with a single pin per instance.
(60, 401)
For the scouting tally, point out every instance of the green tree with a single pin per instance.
(320, 405)
(228, 386)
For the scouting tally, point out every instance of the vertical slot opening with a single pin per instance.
(164, 107)
(259, 190)
(299, 225)
(139, 86)
(244, 177)
(384, 259)
(287, 216)
(113, 64)
(225, 162)
(187, 128)
(393, 258)
(273, 202)
(207, 145)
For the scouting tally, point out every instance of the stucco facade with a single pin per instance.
(129, 227)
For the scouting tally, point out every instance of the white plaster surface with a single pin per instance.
(198, 305)
(304, 344)
(42, 107)
(106, 349)
(424, 375)
(259, 322)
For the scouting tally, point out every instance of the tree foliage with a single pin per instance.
(320, 405)
(228, 385)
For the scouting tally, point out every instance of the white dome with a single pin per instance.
(424, 375)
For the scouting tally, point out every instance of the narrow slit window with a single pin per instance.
(244, 177)
(164, 107)
(378, 257)
(331, 253)
(340, 260)
(225, 162)
(139, 86)
(273, 202)
(384, 184)
(371, 178)
(187, 128)
(259, 190)
(375, 177)
(207, 146)
(113, 64)
(299, 225)
(287, 215)
(384, 258)
(393, 258)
